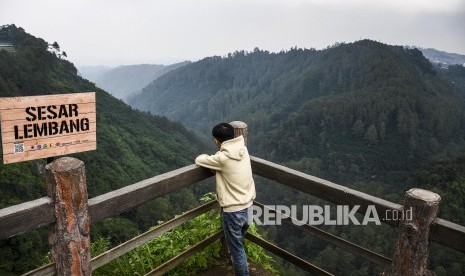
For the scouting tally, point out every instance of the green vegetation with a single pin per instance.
(447, 178)
(373, 117)
(365, 115)
(152, 254)
(131, 146)
(364, 107)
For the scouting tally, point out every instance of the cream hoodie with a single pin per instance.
(235, 187)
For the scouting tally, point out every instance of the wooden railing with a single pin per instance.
(443, 232)
(30, 215)
(414, 236)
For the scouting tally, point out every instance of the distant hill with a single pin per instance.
(365, 115)
(363, 107)
(360, 114)
(441, 57)
(92, 72)
(124, 81)
(131, 146)
(135, 143)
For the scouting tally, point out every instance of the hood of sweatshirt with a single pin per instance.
(234, 148)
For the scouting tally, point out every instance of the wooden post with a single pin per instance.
(411, 255)
(69, 236)
(240, 128)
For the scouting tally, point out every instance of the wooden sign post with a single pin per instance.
(240, 128)
(45, 126)
(69, 236)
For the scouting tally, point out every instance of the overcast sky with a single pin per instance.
(115, 32)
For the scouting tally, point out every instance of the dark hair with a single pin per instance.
(223, 132)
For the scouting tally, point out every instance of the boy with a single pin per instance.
(235, 189)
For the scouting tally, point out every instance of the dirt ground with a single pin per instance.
(225, 269)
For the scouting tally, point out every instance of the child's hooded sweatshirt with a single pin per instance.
(235, 187)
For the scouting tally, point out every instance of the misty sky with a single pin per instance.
(115, 32)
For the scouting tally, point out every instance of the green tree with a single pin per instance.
(371, 135)
(358, 128)
(56, 46)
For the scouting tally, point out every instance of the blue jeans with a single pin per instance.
(235, 225)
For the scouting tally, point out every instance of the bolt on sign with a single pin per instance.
(45, 126)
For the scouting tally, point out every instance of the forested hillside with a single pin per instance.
(131, 146)
(365, 115)
(125, 81)
(366, 106)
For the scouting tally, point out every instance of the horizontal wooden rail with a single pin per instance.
(448, 234)
(323, 189)
(115, 202)
(46, 270)
(131, 244)
(314, 270)
(24, 217)
(335, 240)
(172, 263)
(33, 214)
(443, 232)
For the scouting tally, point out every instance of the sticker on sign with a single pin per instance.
(45, 126)
(19, 148)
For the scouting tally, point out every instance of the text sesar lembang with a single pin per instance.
(36, 114)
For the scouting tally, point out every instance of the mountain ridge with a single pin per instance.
(399, 90)
(365, 115)
(127, 80)
(442, 57)
(331, 119)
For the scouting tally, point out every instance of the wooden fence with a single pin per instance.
(69, 212)
(30, 215)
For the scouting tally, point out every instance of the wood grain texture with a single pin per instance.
(69, 236)
(22, 132)
(20, 218)
(412, 248)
